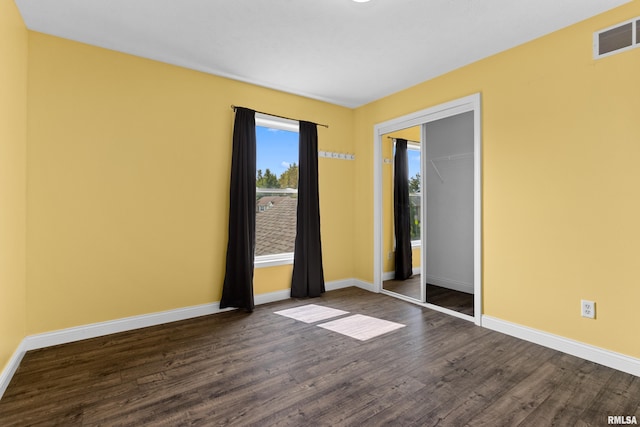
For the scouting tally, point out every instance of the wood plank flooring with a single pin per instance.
(461, 302)
(263, 369)
(409, 287)
(454, 300)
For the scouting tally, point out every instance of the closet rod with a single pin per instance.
(453, 157)
(233, 107)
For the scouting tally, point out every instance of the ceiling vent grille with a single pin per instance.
(617, 38)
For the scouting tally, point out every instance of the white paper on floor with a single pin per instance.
(361, 327)
(311, 313)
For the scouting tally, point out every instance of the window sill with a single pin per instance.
(415, 244)
(273, 260)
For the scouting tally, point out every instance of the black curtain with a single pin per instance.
(401, 212)
(308, 276)
(237, 290)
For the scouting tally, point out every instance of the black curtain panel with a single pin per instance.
(308, 275)
(402, 219)
(237, 290)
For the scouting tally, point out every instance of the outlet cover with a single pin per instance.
(588, 309)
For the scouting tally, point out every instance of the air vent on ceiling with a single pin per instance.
(617, 38)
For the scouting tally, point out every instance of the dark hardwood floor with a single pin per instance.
(262, 369)
(409, 287)
(454, 300)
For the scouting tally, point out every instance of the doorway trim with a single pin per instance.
(420, 118)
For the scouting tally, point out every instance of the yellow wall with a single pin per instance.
(13, 141)
(129, 163)
(560, 181)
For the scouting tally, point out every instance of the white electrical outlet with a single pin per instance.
(588, 309)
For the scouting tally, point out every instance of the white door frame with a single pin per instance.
(420, 118)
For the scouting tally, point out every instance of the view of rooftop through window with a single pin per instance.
(413, 154)
(277, 190)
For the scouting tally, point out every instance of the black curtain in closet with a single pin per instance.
(402, 220)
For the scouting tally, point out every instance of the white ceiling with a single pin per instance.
(338, 51)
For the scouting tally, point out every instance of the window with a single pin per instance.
(618, 38)
(276, 189)
(413, 153)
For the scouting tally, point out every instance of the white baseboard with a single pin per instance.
(598, 355)
(449, 283)
(364, 285)
(11, 367)
(339, 284)
(93, 330)
(271, 297)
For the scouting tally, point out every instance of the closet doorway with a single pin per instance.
(445, 195)
(400, 276)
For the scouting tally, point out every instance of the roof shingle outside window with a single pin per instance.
(275, 225)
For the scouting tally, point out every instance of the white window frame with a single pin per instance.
(635, 40)
(265, 120)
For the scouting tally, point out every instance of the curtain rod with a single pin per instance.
(408, 140)
(233, 107)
